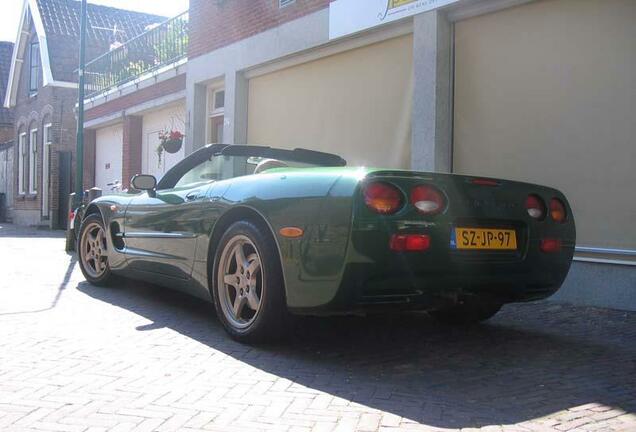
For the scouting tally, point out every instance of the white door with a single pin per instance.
(108, 157)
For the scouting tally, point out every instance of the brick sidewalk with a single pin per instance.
(74, 357)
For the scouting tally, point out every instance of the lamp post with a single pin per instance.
(79, 174)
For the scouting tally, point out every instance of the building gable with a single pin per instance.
(55, 24)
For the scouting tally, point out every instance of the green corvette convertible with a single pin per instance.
(265, 233)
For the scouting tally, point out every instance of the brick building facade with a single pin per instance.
(42, 92)
(235, 20)
(6, 114)
(6, 136)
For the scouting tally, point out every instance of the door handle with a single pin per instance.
(191, 196)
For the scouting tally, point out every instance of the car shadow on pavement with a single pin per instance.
(528, 362)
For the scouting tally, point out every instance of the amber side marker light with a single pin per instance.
(291, 232)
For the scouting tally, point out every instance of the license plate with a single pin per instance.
(484, 238)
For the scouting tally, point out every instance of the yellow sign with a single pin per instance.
(398, 3)
(393, 4)
(351, 16)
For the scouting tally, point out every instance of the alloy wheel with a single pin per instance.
(93, 250)
(240, 282)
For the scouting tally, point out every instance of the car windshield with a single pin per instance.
(222, 167)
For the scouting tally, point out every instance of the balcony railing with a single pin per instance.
(162, 45)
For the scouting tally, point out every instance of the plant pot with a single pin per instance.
(172, 146)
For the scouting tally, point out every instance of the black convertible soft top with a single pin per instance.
(297, 155)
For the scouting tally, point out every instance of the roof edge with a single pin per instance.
(18, 51)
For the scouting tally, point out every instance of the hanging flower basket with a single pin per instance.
(169, 141)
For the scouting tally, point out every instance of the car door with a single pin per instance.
(161, 229)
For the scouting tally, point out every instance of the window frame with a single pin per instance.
(211, 111)
(34, 69)
(21, 163)
(47, 141)
(33, 161)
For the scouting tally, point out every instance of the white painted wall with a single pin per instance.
(108, 156)
(169, 118)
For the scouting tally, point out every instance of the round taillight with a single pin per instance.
(382, 198)
(535, 207)
(428, 199)
(557, 210)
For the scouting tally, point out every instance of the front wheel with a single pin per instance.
(92, 250)
(467, 313)
(248, 286)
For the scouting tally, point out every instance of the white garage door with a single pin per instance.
(167, 119)
(546, 92)
(356, 104)
(108, 156)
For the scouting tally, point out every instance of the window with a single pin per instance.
(216, 110)
(46, 157)
(216, 101)
(22, 153)
(33, 161)
(283, 3)
(219, 100)
(34, 71)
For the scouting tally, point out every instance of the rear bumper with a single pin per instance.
(434, 279)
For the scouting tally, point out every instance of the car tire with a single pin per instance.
(466, 313)
(249, 297)
(92, 251)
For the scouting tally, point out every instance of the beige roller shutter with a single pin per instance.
(546, 92)
(356, 104)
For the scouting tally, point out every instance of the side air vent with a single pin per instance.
(117, 236)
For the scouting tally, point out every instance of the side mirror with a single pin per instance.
(144, 182)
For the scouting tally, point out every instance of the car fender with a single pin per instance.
(321, 205)
(112, 209)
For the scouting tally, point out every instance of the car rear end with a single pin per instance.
(425, 241)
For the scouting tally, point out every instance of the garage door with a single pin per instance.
(108, 156)
(356, 104)
(170, 118)
(546, 92)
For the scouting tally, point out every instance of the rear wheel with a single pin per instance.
(249, 294)
(92, 250)
(467, 313)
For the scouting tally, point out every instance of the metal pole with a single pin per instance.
(79, 175)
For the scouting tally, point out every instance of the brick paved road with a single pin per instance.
(74, 357)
